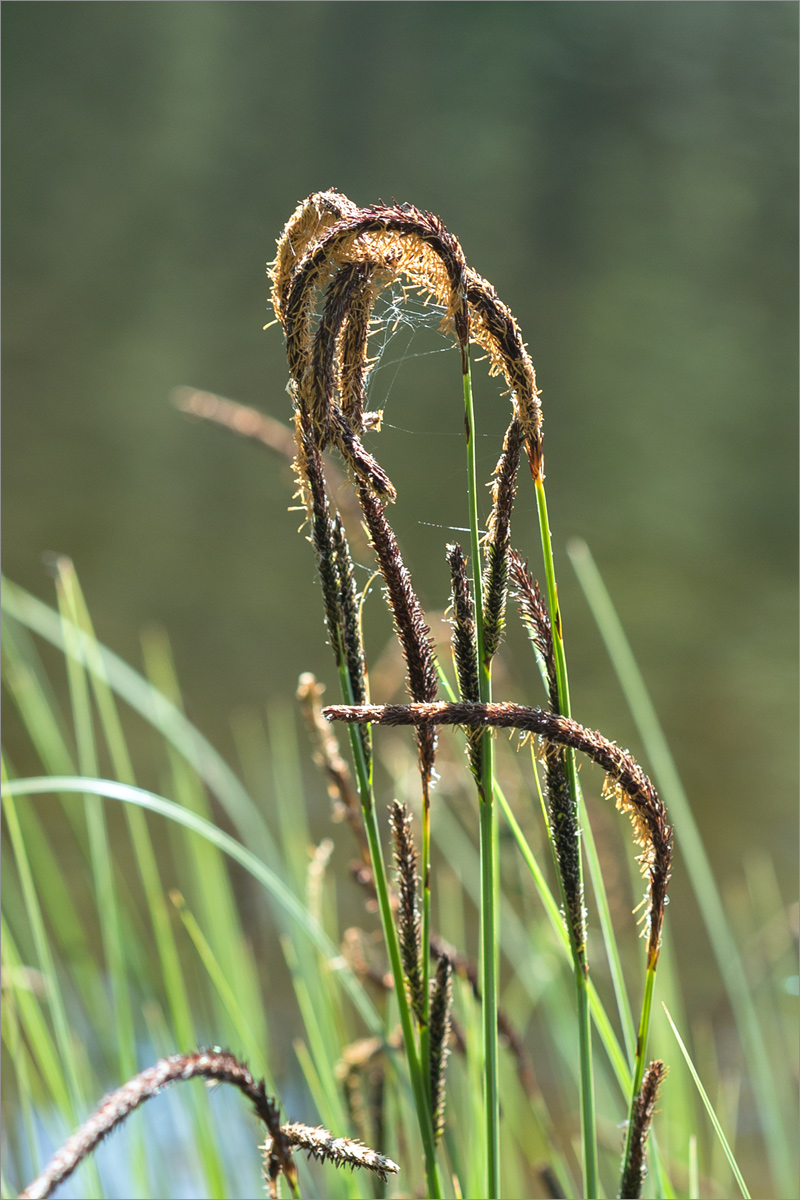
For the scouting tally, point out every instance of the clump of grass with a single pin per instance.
(334, 260)
(344, 257)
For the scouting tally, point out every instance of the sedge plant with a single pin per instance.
(333, 261)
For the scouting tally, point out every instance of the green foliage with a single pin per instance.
(180, 954)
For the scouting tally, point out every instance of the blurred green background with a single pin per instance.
(624, 174)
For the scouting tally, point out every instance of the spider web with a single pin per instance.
(401, 316)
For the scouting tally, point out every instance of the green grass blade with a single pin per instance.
(710, 1110)
(159, 712)
(99, 845)
(773, 1100)
(77, 1083)
(44, 1051)
(209, 889)
(30, 690)
(248, 1039)
(228, 845)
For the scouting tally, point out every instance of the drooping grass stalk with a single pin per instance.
(219, 1066)
(588, 1123)
(602, 1023)
(488, 825)
(331, 245)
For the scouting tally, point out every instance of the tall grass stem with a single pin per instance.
(488, 825)
(579, 952)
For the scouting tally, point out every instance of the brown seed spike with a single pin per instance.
(409, 621)
(634, 1170)
(309, 468)
(465, 648)
(536, 619)
(495, 577)
(403, 241)
(309, 221)
(408, 921)
(350, 617)
(214, 1064)
(561, 812)
(494, 328)
(342, 1152)
(638, 796)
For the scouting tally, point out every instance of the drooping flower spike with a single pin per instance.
(637, 796)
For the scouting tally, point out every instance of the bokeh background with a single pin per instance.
(624, 174)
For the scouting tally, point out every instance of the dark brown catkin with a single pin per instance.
(408, 919)
(441, 1003)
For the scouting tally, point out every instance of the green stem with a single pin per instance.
(488, 830)
(419, 1081)
(425, 937)
(588, 1125)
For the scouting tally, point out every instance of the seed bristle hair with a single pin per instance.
(641, 800)
(408, 918)
(641, 1121)
(441, 1003)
